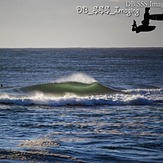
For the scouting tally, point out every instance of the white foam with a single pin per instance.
(38, 143)
(72, 100)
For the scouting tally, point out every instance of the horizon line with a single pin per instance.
(75, 47)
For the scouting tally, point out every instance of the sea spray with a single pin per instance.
(77, 77)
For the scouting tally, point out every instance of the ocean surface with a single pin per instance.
(81, 105)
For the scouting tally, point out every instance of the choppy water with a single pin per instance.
(81, 105)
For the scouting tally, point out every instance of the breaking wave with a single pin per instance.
(74, 93)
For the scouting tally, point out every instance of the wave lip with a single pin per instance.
(77, 88)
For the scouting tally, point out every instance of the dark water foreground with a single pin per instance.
(82, 134)
(81, 105)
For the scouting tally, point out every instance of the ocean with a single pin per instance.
(81, 105)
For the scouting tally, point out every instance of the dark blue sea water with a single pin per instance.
(81, 105)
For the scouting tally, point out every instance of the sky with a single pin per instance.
(57, 24)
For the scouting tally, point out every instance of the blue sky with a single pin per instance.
(56, 23)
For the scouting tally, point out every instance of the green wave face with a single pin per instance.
(60, 89)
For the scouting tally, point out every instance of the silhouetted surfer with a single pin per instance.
(1, 85)
(145, 23)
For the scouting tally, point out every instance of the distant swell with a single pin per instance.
(76, 88)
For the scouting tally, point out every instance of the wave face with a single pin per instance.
(76, 88)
